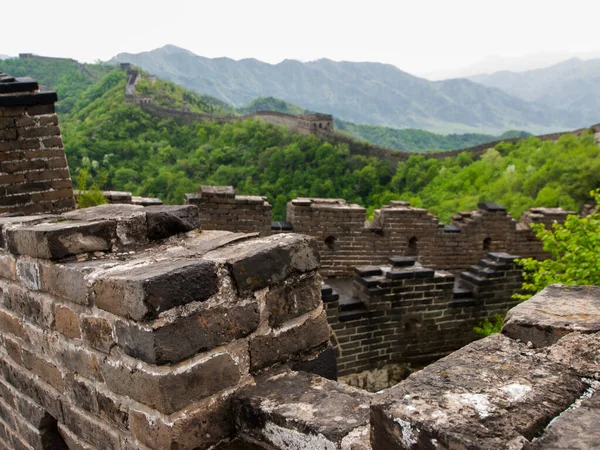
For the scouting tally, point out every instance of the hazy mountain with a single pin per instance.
(5, 56)
(572, 85)
(369, 93)
(491, 64)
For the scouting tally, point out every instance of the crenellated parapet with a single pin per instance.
(346, 239)
(221, 209)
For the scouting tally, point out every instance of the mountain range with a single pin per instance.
(368, 93)
(573, 85)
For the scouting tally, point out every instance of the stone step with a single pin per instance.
(351, 304)
(355, 314)
(460, 293)
(474, 279)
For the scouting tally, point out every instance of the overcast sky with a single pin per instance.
(434, 38)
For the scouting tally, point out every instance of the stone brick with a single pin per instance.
(72, 441)
(98, 332)
(259, 263)
(171, 389)
(299, 336)
(143, 292)
(12, 324)
(164, 221)
(301, 408)
(489, 393)
(37, 307)
(292, 299)
(204, 426)
(61, 239)
(66, 321)
(42, 393)
(186, 336)
(70, 280)
(45, 370)
(8, 266)
(90, 429)
(554, 313)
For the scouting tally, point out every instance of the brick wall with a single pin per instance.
(221, 209)
(111, 338)
(34, 176)
(346, 241)
(402, 313)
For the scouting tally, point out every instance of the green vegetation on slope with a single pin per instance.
(65, 77)
(420, 140)
(170, 95)
(158, 157)
(517, 175)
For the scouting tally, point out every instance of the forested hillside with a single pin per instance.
(159, 157)
(360, 92)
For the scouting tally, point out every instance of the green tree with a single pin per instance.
(574, 248)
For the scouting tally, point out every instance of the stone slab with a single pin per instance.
(142, 292)
(553, 313)
(300, 410)
(167, 220)
(578, 428)
(490, 394)
(262, 262)
(183, 338)
(61, 239)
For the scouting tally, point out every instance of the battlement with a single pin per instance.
(346, 239)
(222, 209)
(34, 176)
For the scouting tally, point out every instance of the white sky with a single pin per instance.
(424, 37)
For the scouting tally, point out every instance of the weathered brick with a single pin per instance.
(293, 298)
(170, 389)
(70, 280)
(61, 239)
(45, 370)
(66, 321)
(284, 345)
(8, 266)
(98, 332)
(176, 341)
(89, 429)
(143, 292)
(260, 263)
(12, 324)
(204, 426)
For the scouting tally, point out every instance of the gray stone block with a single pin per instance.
(488, 394)
(263, 262)
(61, 239)
(553, 313)
(176, 341)
(143, 292)
(164, 221)
(300, 410)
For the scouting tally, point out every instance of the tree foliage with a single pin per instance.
(574, 248)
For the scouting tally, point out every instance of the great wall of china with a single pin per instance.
(207, 326)
(320, 125)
